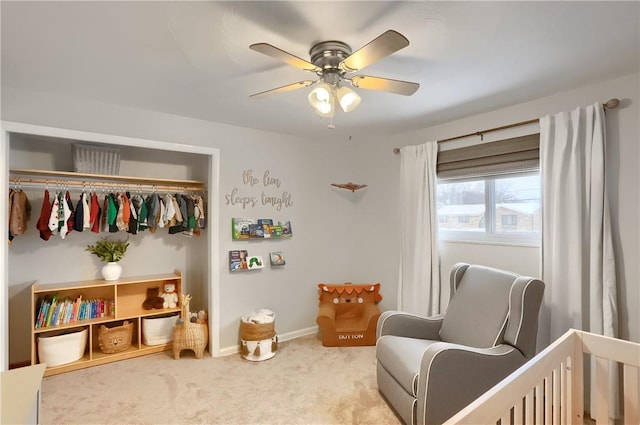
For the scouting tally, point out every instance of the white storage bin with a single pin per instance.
(158, 330)
(61, 349)
(96, 159)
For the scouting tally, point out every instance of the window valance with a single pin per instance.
(508, 156)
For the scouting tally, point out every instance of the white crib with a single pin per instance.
(549, 389)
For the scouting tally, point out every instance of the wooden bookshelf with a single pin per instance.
(127, 294)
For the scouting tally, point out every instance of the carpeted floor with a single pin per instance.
(305, 383)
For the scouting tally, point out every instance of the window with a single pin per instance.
(509, 220)
(490, 192)
(497, 208)
(464, 202)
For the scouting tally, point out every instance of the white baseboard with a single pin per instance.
(235, 349)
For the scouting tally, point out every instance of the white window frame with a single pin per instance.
(490, 236)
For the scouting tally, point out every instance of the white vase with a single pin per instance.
(111, 271)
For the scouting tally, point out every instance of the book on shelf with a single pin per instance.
(238, 260)
(255, 262)
(277, 258)
(256, 231)
(54, 316)
(52, 308)
(276, 231)
(83, 310)
(76, 307)
(43, 303)
(60, 313)
(240, 227)
(266, 224)
(286, 229)
(55, 312)
(250, 228)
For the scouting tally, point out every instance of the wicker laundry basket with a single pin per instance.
(257, 331)
(259, 340)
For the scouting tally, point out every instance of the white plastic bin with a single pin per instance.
(57, 350)
(158, 330)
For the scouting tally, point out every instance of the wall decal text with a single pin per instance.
(250, 199)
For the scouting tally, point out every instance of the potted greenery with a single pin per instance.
(110, 252)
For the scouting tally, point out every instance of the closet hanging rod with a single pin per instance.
(609, 104)
(46, 177)
(91, 185)
(60, 175)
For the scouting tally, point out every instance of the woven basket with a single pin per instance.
(192, 334)
(257, 331)
(115, 340)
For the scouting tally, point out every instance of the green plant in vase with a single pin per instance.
(111, 252)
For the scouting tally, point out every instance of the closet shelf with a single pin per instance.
(68, 178)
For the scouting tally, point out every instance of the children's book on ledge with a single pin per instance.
(263, 228)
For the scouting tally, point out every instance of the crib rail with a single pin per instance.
(549, 389)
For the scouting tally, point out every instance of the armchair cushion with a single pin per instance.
(477, 313)
(402, 357)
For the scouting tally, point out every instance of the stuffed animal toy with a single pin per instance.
(169, 296)
(202, 317)
(348, 314)
(153, 299)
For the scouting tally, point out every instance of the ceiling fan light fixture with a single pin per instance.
(331, 61)
(348, 99)
(321, 100)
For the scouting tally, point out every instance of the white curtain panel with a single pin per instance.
(578, 264)
(419, 287)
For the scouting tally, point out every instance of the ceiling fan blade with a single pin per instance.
(367, 82)
(276, 53)
(289, 87)
(378, 48)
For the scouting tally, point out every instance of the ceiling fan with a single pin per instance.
(331, 61)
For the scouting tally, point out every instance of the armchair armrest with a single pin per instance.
(371, 313)
(409, 325)
(326, 312)
(453, 375)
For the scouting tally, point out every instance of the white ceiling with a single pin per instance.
(192, 58)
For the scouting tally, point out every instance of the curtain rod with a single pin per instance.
(609, 104)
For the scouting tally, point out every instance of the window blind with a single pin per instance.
(508, 156)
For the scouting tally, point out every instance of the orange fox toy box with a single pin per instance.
(348, 314)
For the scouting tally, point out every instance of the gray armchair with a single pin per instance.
(429, 368)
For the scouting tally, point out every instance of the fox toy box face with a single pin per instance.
(348, 314)
(348, 294)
